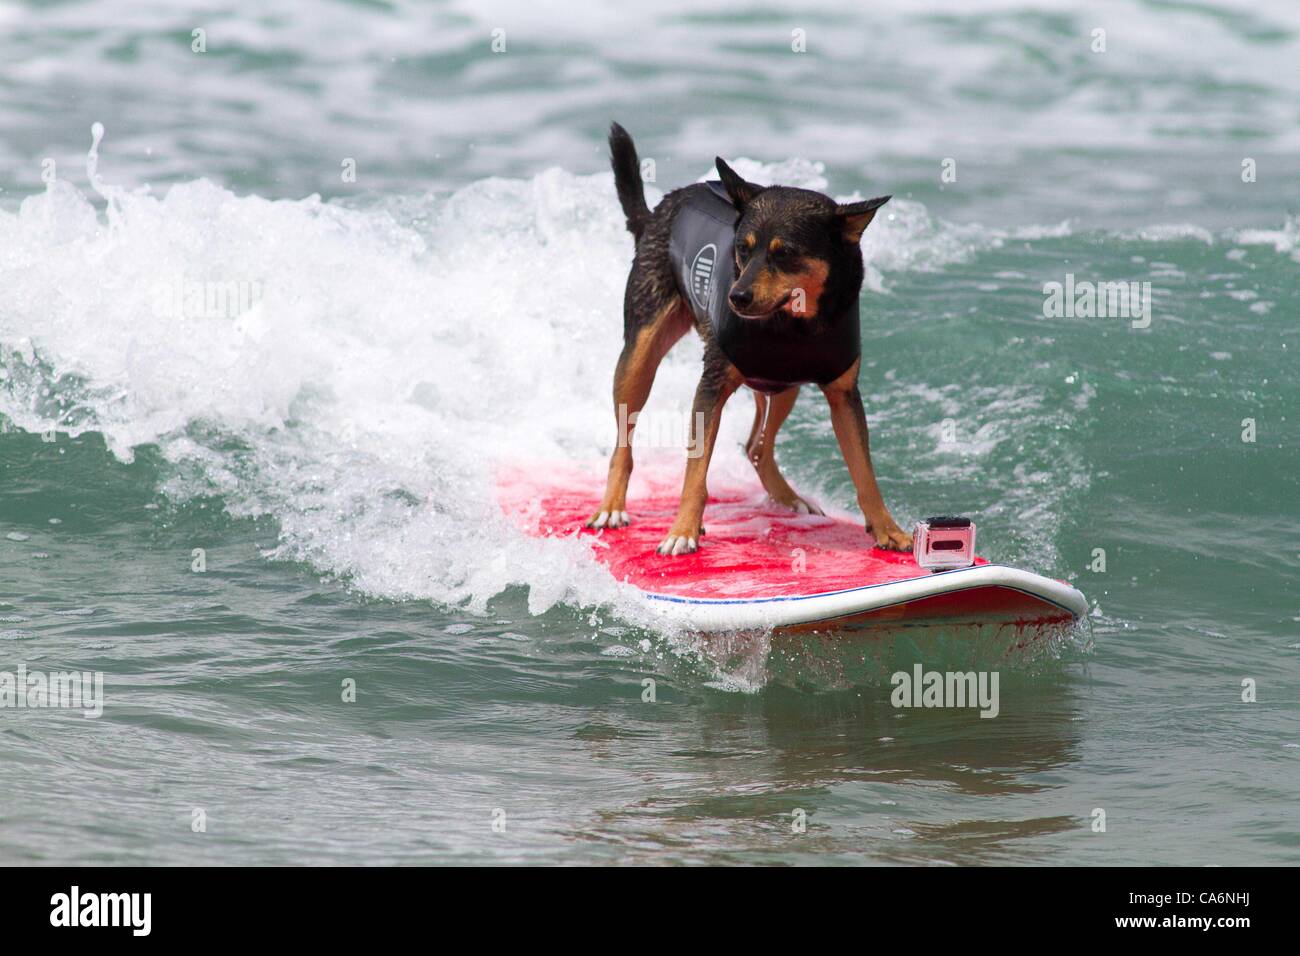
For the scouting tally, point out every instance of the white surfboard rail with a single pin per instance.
(727, 614)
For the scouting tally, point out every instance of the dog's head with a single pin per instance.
(796, 250)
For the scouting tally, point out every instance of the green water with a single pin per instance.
(331, 450)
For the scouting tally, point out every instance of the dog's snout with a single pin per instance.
(740, 298)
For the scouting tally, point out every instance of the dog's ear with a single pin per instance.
(853, 218)
(740, 191)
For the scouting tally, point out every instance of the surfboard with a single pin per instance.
(761, 566)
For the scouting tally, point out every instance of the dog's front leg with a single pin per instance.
(719, 381)
(850, 423)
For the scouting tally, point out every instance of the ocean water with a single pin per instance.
(240, 511)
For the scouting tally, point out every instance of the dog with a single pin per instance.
(792, 268)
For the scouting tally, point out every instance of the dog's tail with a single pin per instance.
(627, 179)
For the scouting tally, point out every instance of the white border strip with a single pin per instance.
(720, 614)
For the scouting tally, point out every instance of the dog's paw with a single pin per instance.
(802, 506)
(676, 544)
(890, 536)
(609, 519)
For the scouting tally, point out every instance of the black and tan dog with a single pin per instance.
(792, 270)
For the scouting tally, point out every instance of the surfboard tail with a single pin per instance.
(985, 594)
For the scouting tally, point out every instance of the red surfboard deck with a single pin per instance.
(760, 565)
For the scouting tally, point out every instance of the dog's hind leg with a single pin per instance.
(769, 413)
(643, 350)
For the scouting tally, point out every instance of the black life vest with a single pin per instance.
(773, 353)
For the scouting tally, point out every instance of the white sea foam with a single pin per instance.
(1285, 241)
